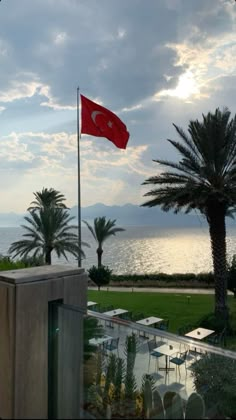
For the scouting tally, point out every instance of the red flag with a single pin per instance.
(100, 122)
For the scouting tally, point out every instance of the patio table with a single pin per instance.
(98, 341)
(115, 313)
(91, 303)
(151, 320)
(167, 350)
(199, 334)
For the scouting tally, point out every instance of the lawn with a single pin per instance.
(179, 309)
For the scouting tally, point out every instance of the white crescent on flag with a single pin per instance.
(95, 113)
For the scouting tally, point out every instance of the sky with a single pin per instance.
(153, 63)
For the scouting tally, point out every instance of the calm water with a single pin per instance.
(144, 249)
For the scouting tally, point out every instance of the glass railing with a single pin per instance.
(132, 370)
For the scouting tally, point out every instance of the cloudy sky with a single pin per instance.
(152, 62)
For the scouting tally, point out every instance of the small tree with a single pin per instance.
(100, 275)
(101, 231)
(232, 276)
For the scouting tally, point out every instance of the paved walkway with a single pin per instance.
(158, 290)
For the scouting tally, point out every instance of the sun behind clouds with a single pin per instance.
(187, 86)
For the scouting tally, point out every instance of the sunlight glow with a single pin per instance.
(186, 87)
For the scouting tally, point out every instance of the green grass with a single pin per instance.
(168, 306)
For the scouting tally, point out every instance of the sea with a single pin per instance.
(143, 249)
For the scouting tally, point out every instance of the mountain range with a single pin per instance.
(133, 215)
(126, 215)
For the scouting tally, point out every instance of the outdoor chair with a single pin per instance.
(217, 339)
(97, 308)
(111, 345)
(182, 331)
(178, 361)
(185, 329)
(137, 316)
(107, 308)
(127, 316)
(151, 346)
(164, 325)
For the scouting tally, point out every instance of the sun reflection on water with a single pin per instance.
(145, 249)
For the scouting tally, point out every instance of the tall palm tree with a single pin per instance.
(47, 198)
(48, 230)
(203, 179)
(101, 230)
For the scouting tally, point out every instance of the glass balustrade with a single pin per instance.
(131, 370)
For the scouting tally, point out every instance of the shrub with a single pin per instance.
(100, 275)
(176, 279)
(6, 263)
(232, 276)
(215, 379)
(33, 261)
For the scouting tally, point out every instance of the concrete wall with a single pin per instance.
(24, 298)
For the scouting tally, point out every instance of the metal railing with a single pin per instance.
(202, 346)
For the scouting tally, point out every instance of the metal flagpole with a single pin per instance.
(79, 192)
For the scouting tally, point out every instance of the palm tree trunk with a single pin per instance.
(99, 252)
(216, 220)
(48, 257)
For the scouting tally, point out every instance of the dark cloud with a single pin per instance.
(115, 50)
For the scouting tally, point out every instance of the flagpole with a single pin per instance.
(79, 190)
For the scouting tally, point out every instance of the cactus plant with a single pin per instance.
(167, 402)
(99, 367)
(177, 408)
(130, 352)
(153, 408)
(157, 406)
(108, 382)
(113, 365)
(147, 398)
(94, 399)
(108, 412)
(118, 378)
(195, 408)
(151, 379)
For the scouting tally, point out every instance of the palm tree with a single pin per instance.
(101, 231)
(203, 179)
(47, 198)
(48, 230)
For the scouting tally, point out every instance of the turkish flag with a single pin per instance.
(100, 122)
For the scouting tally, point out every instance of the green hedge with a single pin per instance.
(206, 278)
(6, 263)
(10, 265)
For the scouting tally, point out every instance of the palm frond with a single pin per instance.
(47, 198)
(48, 228)
(207, 170)
(102, 229)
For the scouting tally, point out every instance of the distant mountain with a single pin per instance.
(11, 219)
(126, 215)
(133, 215)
